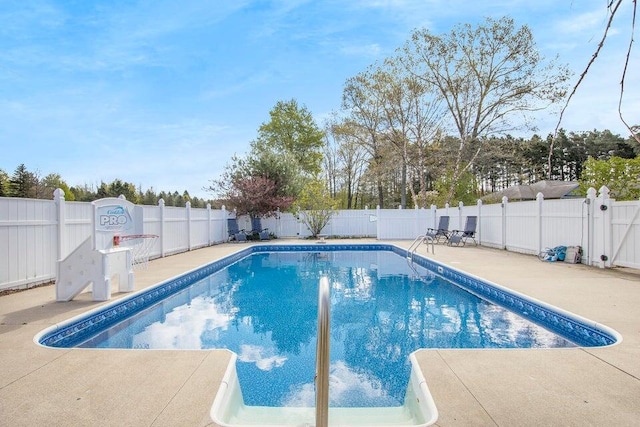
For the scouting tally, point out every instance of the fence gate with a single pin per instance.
(625, 234)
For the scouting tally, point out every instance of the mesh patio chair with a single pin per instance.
(460, 237)
(235, 234)
(256, 229)
(440, 234)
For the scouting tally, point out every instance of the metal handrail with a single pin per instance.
(322, 354)
(413, 248)
(418, 241)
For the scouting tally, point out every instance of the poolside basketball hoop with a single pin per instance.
(140, 245)
(111, 251)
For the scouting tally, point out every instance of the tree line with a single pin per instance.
(503, 162)
(29, 184)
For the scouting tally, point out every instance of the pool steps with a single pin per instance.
(229, 410)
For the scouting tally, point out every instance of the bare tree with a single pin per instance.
(490, 77)
(365, 116)
(352, 158)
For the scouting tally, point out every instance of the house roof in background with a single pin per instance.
(549, 189)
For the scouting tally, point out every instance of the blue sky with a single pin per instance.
(162, 93)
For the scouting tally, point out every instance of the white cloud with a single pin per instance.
(182, 328)
(264, 359)
(345, 385)
(372, 50)
(590, 23)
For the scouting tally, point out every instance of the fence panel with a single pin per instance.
(287, 225)
(28, 241)
(403, 223)
(562, 223)
(352, 223)
(199, 235)
(490, 226)
(77, 225)
(153, 225)
(522, 227)
(176, 230)
(464, 212)
(218, 228)
(456, 218)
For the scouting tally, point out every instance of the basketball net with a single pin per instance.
(140, 245)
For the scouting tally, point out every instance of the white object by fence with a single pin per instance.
(98, 259)
(86, 267)
(35, 234)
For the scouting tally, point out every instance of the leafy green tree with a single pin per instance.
(486, 76)
(602, 145)
(23, 183)
(179, 200)
(118, 188)
(167, 197)
(281, 168)
(315, 206)
(292, 130)
(501, 164)
(197, 202)
(149, 198)
(4, 183)
(634, 140)
(279, 171)
(621, 176)
(83, 193)
(50, 183)
(465, 190)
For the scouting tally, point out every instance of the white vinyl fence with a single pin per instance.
(35, 234)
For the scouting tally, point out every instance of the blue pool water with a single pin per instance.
(264, 308)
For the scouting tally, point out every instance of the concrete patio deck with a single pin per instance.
(555, 387)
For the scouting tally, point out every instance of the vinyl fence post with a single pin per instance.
(505, 202)
(163, 240)
(460, 222)
(434, 213)
(58, 197)
(209, 240)
(540, 201)
(479, 229)
(189, 227)
(604, 204)
(225, 230)
(378, 222)
(589, 255)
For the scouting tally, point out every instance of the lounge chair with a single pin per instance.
(235, 234)
(256, 229)
(440, 234)
(460, 237)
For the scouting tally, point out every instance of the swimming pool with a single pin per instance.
(358, 280)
